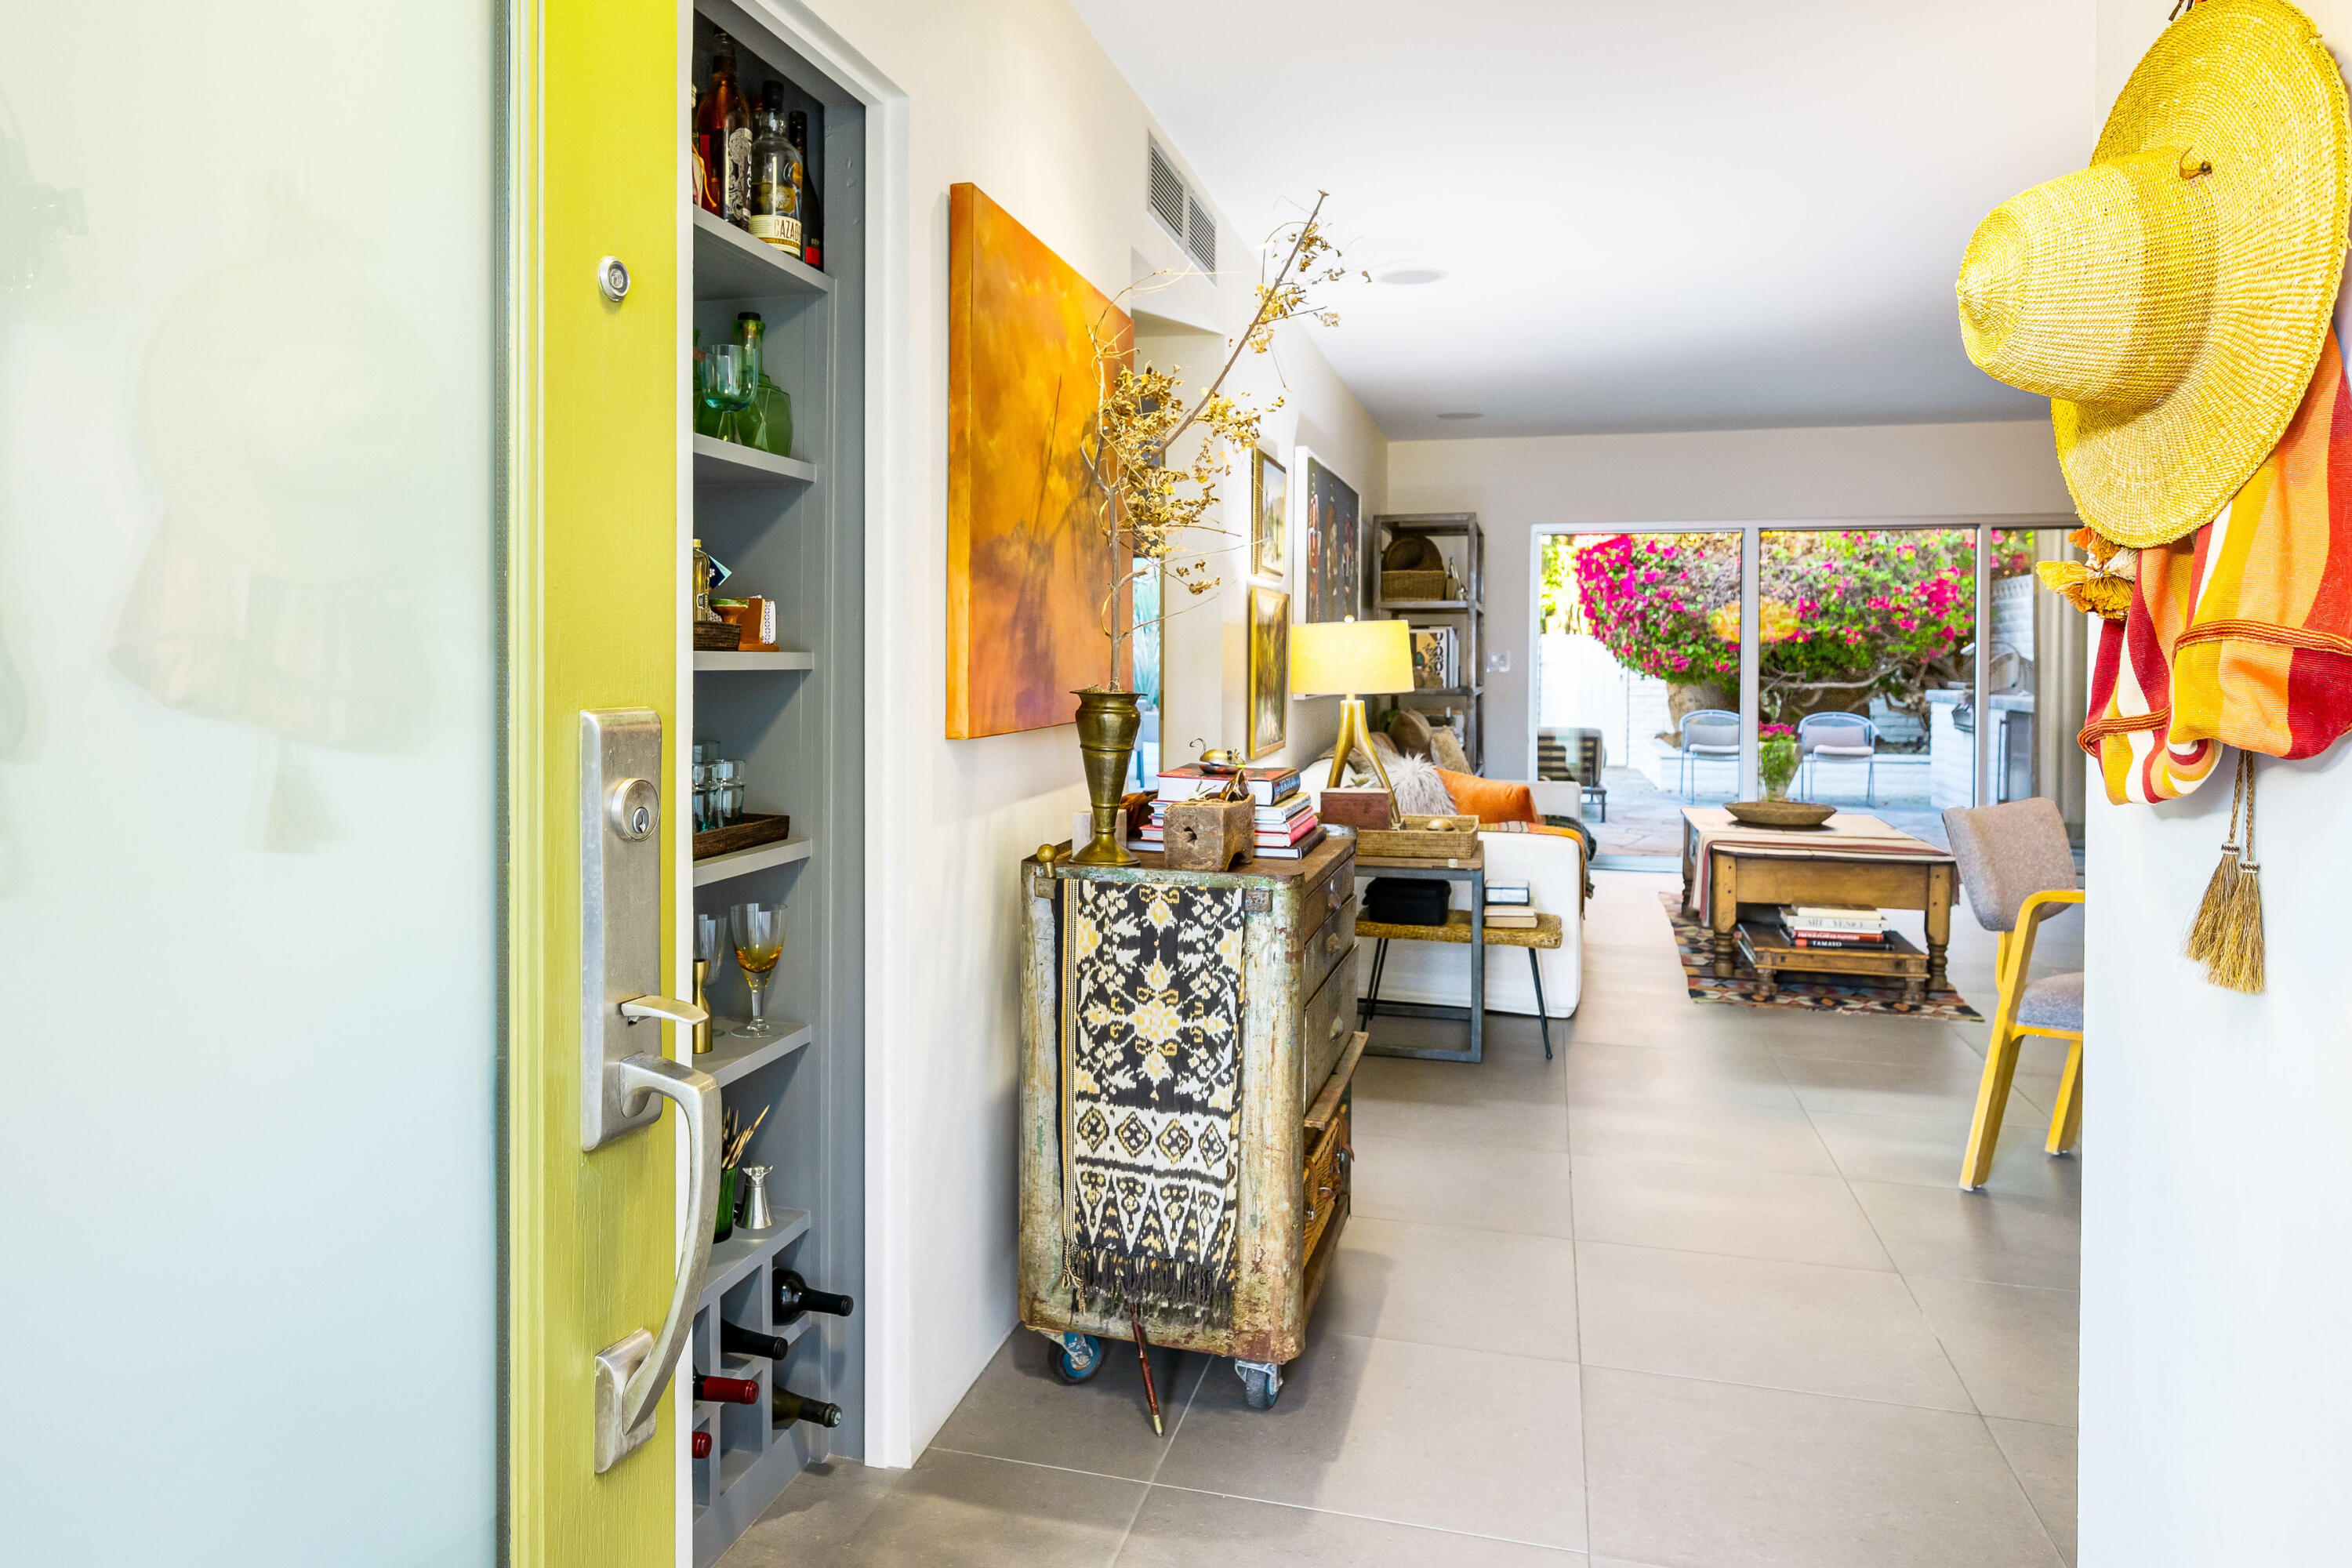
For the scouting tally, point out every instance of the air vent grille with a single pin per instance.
(1168, 193)
(1179, 210)
(1201, 237)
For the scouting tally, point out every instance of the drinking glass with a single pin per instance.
(759, 932)
(730, 793)
(726, 383)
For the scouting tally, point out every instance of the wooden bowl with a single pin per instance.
(1779, 813)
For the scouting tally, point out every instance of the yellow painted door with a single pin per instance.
(593, 602)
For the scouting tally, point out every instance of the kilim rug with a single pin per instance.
(1695, 944)
(1151, 1094)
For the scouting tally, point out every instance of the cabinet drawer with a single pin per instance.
(1328, 944)
(1323, 1028)
(1335, 887)
(1327, 1178)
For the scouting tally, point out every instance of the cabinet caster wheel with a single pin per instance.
(1078, 1359)
(1261, 1382)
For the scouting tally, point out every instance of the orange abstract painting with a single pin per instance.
(1028, 562)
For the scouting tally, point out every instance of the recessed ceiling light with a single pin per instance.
(1406, 276)
(1461, 416)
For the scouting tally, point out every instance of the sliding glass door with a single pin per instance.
(1670, 662)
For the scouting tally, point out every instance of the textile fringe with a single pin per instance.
(1124, 1283)
(2236, 963)
(2204, 943)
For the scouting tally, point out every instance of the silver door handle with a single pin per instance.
(637, 1009)
(631, 1374)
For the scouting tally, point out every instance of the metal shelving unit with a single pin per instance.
(792, 530)
(1463, 544)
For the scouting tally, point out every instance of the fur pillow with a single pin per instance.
(1419, 789)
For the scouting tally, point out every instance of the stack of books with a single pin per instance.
(1832, 925)
(1286, 825)
(1509, 906)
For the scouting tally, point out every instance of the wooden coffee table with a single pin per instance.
(1769, 868)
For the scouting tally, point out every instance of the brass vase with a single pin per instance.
(1108, 722)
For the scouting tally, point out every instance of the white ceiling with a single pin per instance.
(1655, 215)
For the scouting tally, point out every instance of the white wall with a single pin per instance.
(2217, 1273)
(1017, 97)
(1518, 485)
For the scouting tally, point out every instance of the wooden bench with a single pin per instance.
(1546, 933)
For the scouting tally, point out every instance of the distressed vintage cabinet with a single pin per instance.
(1300, 1051)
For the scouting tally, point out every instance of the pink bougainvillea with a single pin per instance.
(1849, 614)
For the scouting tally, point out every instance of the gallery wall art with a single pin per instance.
(1269, 669)
(1270, 516)
(1329, 553)
(1028, 563)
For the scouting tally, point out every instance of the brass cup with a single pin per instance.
(1107, 723)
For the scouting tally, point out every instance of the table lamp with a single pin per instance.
(1347, 658)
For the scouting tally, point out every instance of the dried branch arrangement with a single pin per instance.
(1154, 511)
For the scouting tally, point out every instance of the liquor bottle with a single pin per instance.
(788, 1407)
(726, 1390)
(737, 1340)
(776, 176)
(702, 1445)
(793, 1297)
(722, 129)
(812, 205)
(702, 169)
(749, 426)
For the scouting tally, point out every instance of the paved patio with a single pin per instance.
(1646, 820)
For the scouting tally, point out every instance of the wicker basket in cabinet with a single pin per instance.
(1299, 1050)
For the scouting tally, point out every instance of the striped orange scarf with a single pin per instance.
(2240, 634)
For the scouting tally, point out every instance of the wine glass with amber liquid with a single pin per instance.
(759, 933)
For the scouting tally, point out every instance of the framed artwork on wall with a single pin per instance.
(1269, 669)
(1330, 558)
(1027, 564)
(1270, 516)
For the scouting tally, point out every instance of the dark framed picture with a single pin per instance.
(1269, 669)
(1269, 516)
(1331, 543)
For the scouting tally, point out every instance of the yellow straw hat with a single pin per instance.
(2171, 300)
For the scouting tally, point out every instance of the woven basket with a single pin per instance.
(1413, 585)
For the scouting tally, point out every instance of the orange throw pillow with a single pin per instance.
(1490, 800)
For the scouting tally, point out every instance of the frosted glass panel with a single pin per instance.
(247, 784)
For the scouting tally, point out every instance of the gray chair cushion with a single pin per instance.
(2054, 1002)
(1696, 736)
(2007, 854)
(1848, 738)
(1843, 750)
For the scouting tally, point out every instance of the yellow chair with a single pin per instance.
(2017, 871)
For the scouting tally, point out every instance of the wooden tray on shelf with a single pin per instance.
(753, 830)
(1420, 839)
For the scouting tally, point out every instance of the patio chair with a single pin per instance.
(1709, 734)
(1843, 737)
(1580, 755)
(2019, 870)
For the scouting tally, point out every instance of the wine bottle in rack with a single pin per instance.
(737, 1340)
(788, 1407)
(726, 1390)
(793, 1297)
(702, 1445)
(811, 215)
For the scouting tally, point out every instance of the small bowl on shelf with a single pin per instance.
(1779, 813)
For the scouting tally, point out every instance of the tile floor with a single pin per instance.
(1698, 1294)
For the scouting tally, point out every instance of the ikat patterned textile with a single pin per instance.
(1151, 1094)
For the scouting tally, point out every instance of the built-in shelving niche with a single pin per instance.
(791, 530)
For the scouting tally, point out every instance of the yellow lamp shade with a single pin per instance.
(1347, 658)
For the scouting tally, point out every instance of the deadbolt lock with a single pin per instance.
(633, 807)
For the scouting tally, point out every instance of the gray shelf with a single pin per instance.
(1465, 557)
(1433, 606)
(742, 1252)
(728, 264)
(731, 1056)
(707, 661)
(718, 462)
(743, 862)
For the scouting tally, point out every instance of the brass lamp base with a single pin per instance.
(1355, 736)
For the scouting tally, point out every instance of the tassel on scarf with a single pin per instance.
(2205, 932)
(2236, 963)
